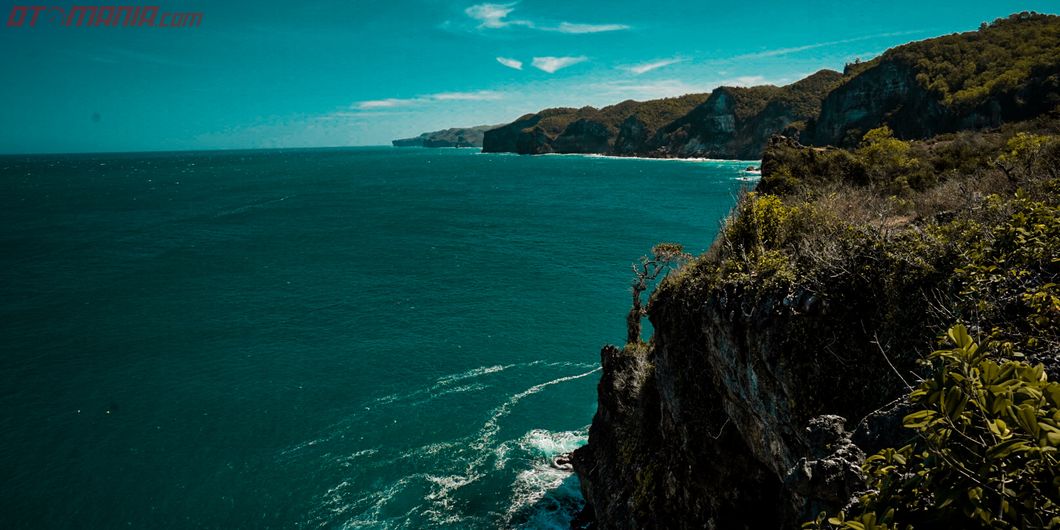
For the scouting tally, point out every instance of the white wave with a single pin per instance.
(437, 388)
(474, 372)
(348, 460)
(462, 461)
(440, 496)
(548, 443)
(673, 159)
(538, 443)
(491, 427)
(532, 486)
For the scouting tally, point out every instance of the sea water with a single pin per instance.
(339, 338)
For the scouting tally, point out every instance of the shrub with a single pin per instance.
(984, 453)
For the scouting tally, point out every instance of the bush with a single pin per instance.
(985, 452)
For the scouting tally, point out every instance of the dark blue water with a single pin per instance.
(354, 338)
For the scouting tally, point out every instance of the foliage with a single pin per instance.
(1013, 270)
(1027, 154)
(787, 169)
(758, 240)
(1002, 57)
(890, 162)
(653, 113)
(984, 455)
(804, 97)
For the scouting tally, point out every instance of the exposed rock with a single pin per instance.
(733, 417)
(830, 476)
(886, 93)
(632, 137)
(584, 136)
(731, 122)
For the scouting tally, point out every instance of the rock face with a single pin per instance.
(623, 128)
(584, 136)
(904, 89)
(736, 416)
(755, 403)
(455, 137)
(731, 122)
(886, 93)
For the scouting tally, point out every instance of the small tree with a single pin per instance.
(664, 258)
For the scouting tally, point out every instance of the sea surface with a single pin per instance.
(333, 338)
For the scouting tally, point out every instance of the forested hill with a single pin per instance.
(1005, 71)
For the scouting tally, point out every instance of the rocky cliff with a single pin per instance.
(731, 122)
(785, 354)
(623, 128)
(782, 356)
(738, 415)
(1007, 71)
(737, 122)
(455, 137)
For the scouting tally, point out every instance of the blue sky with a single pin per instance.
(328, 73)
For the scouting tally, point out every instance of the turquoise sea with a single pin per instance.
(334, 338)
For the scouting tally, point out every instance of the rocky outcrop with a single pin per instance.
(742, 411)
(708, 131)
(760, 392)
(904, 90)
(623, 128)
(584, 136)
(632, 137)
(520, 137)
(730, 122)
(455, 137)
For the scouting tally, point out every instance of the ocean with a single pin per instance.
(326, 338)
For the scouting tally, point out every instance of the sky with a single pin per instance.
(271, 73)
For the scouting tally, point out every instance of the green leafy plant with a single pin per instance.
(984, 453)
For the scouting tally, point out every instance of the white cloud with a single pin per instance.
(480, 95)
(620, 89)
(389, 103)
(552, 64)
(795, 49)
(510, 63)
(494, 15)
(642, 68)
(568, 27)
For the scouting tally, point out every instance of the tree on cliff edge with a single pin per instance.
(664, 258)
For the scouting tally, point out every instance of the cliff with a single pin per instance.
(730, 122)
(1006, 71)
(737, 122)
(455, 137)
(622, 128)
(780, 358)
